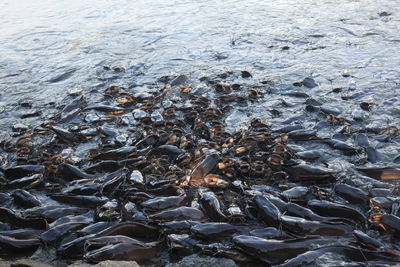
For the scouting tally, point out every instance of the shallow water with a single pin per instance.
(41, 40)
(49, 47)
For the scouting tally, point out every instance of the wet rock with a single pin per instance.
(107, 263)
(196, 260)
(26, 263)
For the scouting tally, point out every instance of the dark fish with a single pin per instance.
(302, 226)
(302, 135)
(309, 83)
(10, 217)
(111, 187)
(212, 231)
(380, 192)
(246, 74)
(181, 213)
(210, 205)
(346, 148)
(296, 210)
(5, 200)
(131, 229)
(330, 110)
(62, 77)
(84, 218)
(110, 176)
(96, 227)
(161, 203)
(373, 155)
(276, 251)
(98, 242)
(75, 104)
(267, 211)
(117, 154)
(26, 182)
(289, 128)
(381, 202)
(297, 194)
(202, 169)
(71, 172)
(124, 251)
(21, 171)
(25, 199)
(270, 233)
(362, 140)
(181, 79)
(73, 249)
(67, 117)
(309, 155)
(393, 222)
(23, 233)
(177, 227)
(297, 94)
(12, 245)
(384, 173)
(104, 108)
(52, 213)
(114, 165)
(65, 135)
(278, 202)
(169, 150)
(351, 193)
(326, 208)
(56, 233)
(103, 166)
(366, 241)
(181, 244)
(304, 172)
(80, 200)
(85, 189)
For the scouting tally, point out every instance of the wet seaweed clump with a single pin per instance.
(156, 174)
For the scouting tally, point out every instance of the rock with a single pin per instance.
(107, 264)
(195, 260)
(24, 263)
